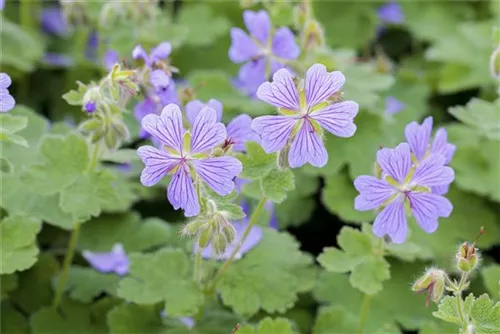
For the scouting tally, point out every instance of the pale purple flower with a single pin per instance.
(403, 186)
(239, 130)
(186, 155)
(261, 51)
(53, 21)
(115, 261)
(90, 107)
(2, 4)
(7, 102)
(160, 52)
(419, 138)
(92, 46)
(159, 80)
(252, 240)
(58, 59)
(393, 106)
(304, 111)
(391, 13)
(187, 321)
(273, 220)
(110, 58)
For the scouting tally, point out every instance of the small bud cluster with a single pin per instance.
(432, 282)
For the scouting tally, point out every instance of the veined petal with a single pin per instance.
(395, 162)
(320, 84)
(207, 132)
(161, 51)
(243, 47)
(194, 107)
(239, 131)
(440, 145)
(392, 221)
(157, 164)
(440, 190)
(258, 24)
(181, 192)
(418, 137)
(307, 147)
(251, 75)
(167, 127)
(338, 118)
(218, 173)
(284, 45)
(372, 192)
(7, 102)
(274, 131)
(282, 92)
(427, 208)
(5, 80)
(433, 172)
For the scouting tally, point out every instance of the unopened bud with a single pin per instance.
(467, 257)
(432, 282)
(121, 130)
(111, 140)
(204, 238)
(92, 95)
(229, 232)
(313, 35)
(90, 126)
(219, 243)
(301, 14)
(283, 158)
(90, 106)
(193, 227)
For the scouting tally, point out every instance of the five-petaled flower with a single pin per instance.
(419, 139)
(115, 261)
(262, 52)
(305, 110)
(158, 53)
(404, 186)
(7, 102)
(186, 155)
(239, 129)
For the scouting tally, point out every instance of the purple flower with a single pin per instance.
(159, 80)
(7, 102)
(251, 241)
(404, 186)
(186, 155)
(273, 220)
(161, 51)
(260, 51)
(419, 139)
(2, 4)
(53, 21)
(115, 261)
(393, 106)
(391, 13)
(90, 107)
(239, 130)
(110, 58)
(187, 321)
(92, 46)
(57, 59)
(304, 112)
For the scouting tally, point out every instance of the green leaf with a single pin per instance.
(84, 284)
(245, 286)
(359, 256)
(335, 320)
(295, 209)
(162, 276)
(491, 279)
(86, 197)
(458, 52)
(17, 322)
(277, 184)
(338, 197)
(204, 28)
(102, 233)
(130, 318)
(64, 161)
(35, 285)
(14, 51)
(122, 156)
(485, 315)
(19, 248)
(73, 318)
(13, 138)
(12, 123)
(268, 326)
(9, 283)
(75, 97)
(480, 115)
(256, 163)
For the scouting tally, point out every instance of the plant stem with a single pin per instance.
(95, 158)
(458, 297)
(197, 265)
(227, 264)
(68, 259)
(365, 310)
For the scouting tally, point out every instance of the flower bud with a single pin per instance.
(283, 158)
(92, 95)
(219, 243)
(229, 232)
(467, 257)
(90, 106)
(193, 227)
(313, 35)
(111, 140)
(433, 281)
(301, 14)
(205, 237)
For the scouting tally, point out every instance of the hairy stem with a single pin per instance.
(365, 310)
(68, 259)
(227, 264)
(197, 266)
(458, 297)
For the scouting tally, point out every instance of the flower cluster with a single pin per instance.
(263, 51)
(7, 102)
(414, 176)
(305, 109)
